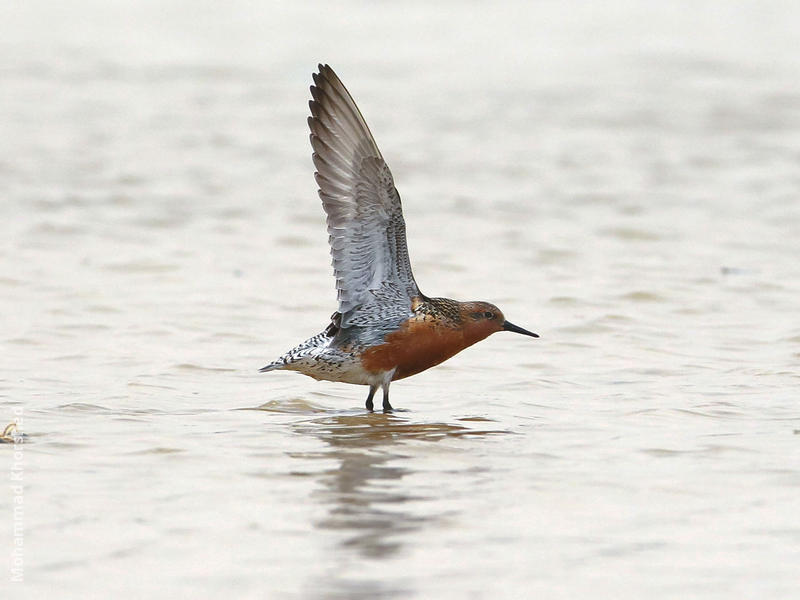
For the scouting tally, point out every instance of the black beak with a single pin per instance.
(511, 327)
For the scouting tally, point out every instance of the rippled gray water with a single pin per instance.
(623, 182)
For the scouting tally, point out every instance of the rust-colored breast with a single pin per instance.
(420, 343)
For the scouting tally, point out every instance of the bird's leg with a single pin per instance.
(386, 406)
(372, 390)
(387, 381)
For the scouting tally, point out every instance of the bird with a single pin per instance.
(384, 328)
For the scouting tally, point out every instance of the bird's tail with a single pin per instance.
(275, 364)
(309, 347)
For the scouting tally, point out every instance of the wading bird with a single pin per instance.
(385, 328)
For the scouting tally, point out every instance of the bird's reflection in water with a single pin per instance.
(360, 492)
(365, 499)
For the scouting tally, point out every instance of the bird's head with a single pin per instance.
(481, 319)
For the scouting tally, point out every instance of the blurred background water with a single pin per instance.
(620, 177)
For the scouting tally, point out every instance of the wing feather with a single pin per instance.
(365, 218)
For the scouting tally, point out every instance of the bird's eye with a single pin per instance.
(488, 315)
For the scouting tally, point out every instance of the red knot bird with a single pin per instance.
(385, 328)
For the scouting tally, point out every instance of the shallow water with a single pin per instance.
(624, 183)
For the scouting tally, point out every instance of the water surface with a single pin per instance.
(623, 182)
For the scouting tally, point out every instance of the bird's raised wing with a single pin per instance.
(366, 229)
